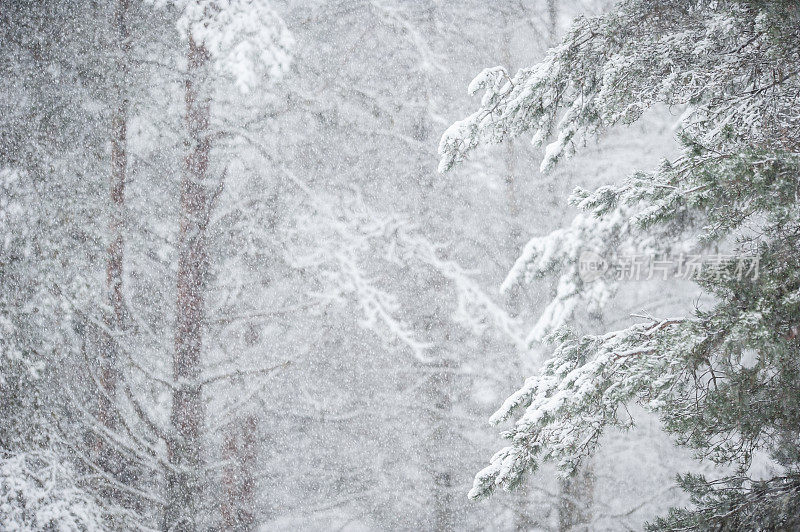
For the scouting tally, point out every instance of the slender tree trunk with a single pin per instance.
(576, 493)
(114, 317)
(440, 383)
(238, 483)
(230, 479)
(556, 200)
(552, 27)
(522, 515)
(513, 193)
(185, 482)
(513, 244)
(240, 448)
(442, 445)
(444, 501)
(575, 501)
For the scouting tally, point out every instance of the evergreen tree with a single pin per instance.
(724, 379)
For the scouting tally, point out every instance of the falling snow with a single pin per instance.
(263, 266)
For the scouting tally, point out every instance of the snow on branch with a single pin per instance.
(579, 393)
(39, 491)
(611, 68)
(352, 251)
(246, 39)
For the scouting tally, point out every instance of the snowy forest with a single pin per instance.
(444, 265)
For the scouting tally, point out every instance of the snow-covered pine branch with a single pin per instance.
(732, 66)
(582, 391)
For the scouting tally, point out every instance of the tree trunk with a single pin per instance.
(443, 501)
(185, 482)
(575, 501)
(522, 515)
(440, 444)
(442, 447)
(114, 317)
(238, 483)
(552, 15)
(513, 244)
(240, 453)
(577, 492)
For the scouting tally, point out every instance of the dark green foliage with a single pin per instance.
(725, 381)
